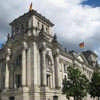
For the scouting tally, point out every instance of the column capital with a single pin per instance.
(56, 52)
(42, 46)
(8, 54)
(7, 58)
(25, 45)
(8, 51)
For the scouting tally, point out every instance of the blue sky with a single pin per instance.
(75, 20)
(93, 3)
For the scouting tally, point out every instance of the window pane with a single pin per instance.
(11, 98)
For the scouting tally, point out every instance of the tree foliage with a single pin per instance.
(95, 85)
(76, 85)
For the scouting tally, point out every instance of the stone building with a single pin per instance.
(33, 64)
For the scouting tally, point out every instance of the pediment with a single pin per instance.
(80, 59)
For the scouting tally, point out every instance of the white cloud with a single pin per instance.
(58, 3)
(98, 53)
(73, 21)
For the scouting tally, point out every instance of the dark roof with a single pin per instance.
(72, 51)
(89, 52)
(29, 14)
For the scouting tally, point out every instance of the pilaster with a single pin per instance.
(11, 77)
(29, 70)
(43, 67)
(43, 64)
(7, 77)
(24, 66)
(57, 70)
(35, 62)
(7, 69)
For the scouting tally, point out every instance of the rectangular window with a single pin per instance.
(48, 80)
(55, 97)
(18, 81)
(11, 98)
(65, 68)
(19, 60)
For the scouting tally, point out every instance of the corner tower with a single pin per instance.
(29, 48)
(31, 23)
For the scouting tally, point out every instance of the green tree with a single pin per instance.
(76, 85)
(94, 89)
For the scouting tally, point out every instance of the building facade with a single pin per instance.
(33, 64)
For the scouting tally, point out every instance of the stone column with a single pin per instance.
(24, 77)
(43, 72)
(53, 78)
(7, 77)
(11, 76)
(34, 67)
(43, 68)
(57, 72)
(53, 74)
(39, 70)
(34, 63)
(29, 71)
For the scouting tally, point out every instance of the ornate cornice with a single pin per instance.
(27, 15)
